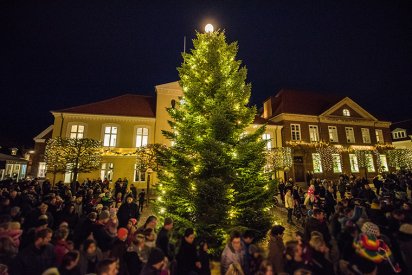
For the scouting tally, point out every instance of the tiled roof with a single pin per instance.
(124, 105)
(302, 102)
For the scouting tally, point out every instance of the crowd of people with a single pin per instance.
(91, 228)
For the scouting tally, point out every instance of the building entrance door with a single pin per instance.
(298, 169)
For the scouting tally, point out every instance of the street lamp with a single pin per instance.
(148, 172)
(209, 28)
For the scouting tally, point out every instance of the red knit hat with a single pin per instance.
(122, 233)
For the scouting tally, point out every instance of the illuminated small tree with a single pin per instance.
(54, 157)
(279, 158)
(212, 177)
(400, 158)
(72, 155)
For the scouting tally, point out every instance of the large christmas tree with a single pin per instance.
(212, 177)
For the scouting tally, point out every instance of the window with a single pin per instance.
(350, 135)
(379, 136)
(106, 171)
(110, 136)
(369, 163)
(354, 166)
(313, 133)
(295, 131)
(333, 134)
(139, 176)
(266, 137)
(337, 164)
(317, 164)
(399, 134)
(384, 163)
(142, 136)
(366, 137)
(68, 176)
(41, 171)
(76, 131)
(346, 112)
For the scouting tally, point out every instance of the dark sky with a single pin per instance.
(56, 54)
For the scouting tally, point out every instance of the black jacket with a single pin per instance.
(186, 258)
(34, 261)
(126, 212)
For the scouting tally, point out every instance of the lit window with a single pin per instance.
(379, 136)
(313, 133)
(77, 131)
(333, 134)
(295, 132)
(366, 137)
(268, 140)
(369, 163)
(142, 137)
(41, 171)
(337, 164)
(110, 136)
(399, 134)
(317, 164)
(346, 112)
(106, 171)
(354, 166)
(350, 135)
(68, 176)
(139, 176)
(384, 163)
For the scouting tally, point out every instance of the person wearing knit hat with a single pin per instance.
(155, 262)
(406, 228)
(370, 228)
(122, 233)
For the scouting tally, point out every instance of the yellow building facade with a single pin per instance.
(125, 123)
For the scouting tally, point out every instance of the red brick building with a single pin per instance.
(329, 135)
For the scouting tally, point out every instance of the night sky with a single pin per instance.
(57, 54)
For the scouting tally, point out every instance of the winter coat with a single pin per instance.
(315, 225)
(230, 256)
(186, 258)
(162, 242)
(34, 261)
(126, 212)
(88, 263)
(60, 249)
(103, 239)
(275, 256)
(289, 201)
(320, 265)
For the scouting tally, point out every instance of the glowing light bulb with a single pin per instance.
(209, 28)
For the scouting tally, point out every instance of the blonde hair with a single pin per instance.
(316, 242)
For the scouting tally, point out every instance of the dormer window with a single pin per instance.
(346, 112)
(399, 134)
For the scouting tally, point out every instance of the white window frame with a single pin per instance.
(379, 136)
(317, 163)
(399, 134)
(314, 133)
(345, 112)
(41, 170)
(350, 135)
(267, 137)
(113, 137)
(384, 163)
(138, 176)
(366, 136)
(333, 133)
(354, 165)
(295, 134)
(77, 132)
(106, 171)
(144, 141)
(369, 162)
(336, 163)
